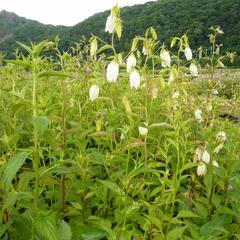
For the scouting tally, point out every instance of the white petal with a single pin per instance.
(193, 70)
(165, 57)
(201, 169)
(112, 72)
(143, 131)
(131, 62)
(93, 92)
(188, 53)
(134, 79)
(206, 157)
(110, 24)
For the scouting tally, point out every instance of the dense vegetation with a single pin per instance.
(169, 17)
(102, 145)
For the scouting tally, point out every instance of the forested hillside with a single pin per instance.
(169, 17)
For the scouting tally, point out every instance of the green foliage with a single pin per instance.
(154, 160)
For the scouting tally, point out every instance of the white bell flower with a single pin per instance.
(193, 69)
(131, 62)
(112, 71)
(206, 156)
(201, 169)
(134, 79)
(110, 24)
(93, 92)
(165, 57)
(143, 131)
(188, 53)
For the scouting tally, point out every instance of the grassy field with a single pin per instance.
(85, 157)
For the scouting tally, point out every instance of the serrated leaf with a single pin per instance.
(46, 226)
(12, 167)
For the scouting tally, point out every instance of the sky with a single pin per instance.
(61, 12)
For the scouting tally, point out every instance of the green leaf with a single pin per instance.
(54, 74)
(65, 232)
(103, 48)
(134, 44)
(46, 226)
(20, 63)
(186, 214)
(12, 167)
(28, 49)
(111, 185)
(176, 233)
(23, 226)
(41, 123)
(216, 225)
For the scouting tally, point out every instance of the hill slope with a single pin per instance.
(14, 28)
(169, 17)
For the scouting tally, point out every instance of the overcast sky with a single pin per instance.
(64, 12)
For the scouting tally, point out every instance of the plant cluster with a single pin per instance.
(102, 145)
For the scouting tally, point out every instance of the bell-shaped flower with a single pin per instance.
(201, 169)
(135, 79)
(198, 115)
(221, 136)
(193, 70)
(131, 62)
(110, 24)
(206, 156)
(93, 92)
(143, 131)
(188, 53)
(165, 57)
(112, 71)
